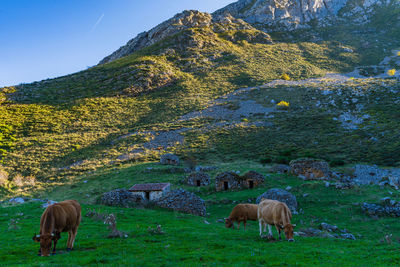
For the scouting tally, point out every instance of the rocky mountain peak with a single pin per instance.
(182, 21)
(290, 14)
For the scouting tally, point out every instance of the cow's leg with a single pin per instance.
(40, 252)
(238, 224)
(54, 248)
(270, 231)
(75, 231)
(69, 241)
(261, 226)
(278, 229)
(244, 222)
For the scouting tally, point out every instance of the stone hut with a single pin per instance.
(252, 179)
(198, 179)
(150, 192)
(230, 180)
(169, 159)
(226, 181)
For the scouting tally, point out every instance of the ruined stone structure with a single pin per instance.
(150, 192)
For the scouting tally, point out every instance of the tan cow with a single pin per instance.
(60, 217)
(272, 212)
(242, 213)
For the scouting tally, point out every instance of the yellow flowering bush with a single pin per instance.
(398, 53)
(285, 77)
(391, 72)
(283, 105)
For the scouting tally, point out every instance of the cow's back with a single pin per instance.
(251, 211)
(66, 216)
(274, 212)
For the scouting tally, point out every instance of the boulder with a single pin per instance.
(17, 200)
(198, 179)
(280, 168)
(121, 198)
(48, 203)
(183, 201)
(310, 168)
(282, 196)
(169, 159)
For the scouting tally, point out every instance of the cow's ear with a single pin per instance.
(36, 238)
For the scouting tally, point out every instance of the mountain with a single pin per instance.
(181, 87)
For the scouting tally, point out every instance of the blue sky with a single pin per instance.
(49, 38)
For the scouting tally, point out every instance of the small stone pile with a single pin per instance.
(282, 196)
(326, 230)
(122, 198)
(310, 169)
(388, 207)
(184, 201)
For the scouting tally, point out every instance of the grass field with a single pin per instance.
(190, 241)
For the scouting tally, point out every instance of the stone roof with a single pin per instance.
(149, 187)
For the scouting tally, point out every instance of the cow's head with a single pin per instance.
(228, 223)
(45, 242)
(288, 229)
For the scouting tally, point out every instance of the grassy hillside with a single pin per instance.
(54, 130)
(191, 241)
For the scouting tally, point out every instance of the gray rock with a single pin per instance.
(169, 159)
(48, 203)
(280, 168)
(184, 201)
(280, 195)
(379, 210)
(17, 200)
(328, 227)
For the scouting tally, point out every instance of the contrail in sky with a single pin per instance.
(97, 22)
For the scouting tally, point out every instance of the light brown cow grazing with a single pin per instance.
(57, 218)
(242, 213)
(272, 212)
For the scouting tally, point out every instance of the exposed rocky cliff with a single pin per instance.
(290, 14)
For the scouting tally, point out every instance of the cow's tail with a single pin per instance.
(284, 216)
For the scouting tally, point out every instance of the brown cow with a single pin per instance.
(272, 212)
(242, 213)
(59, 217)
